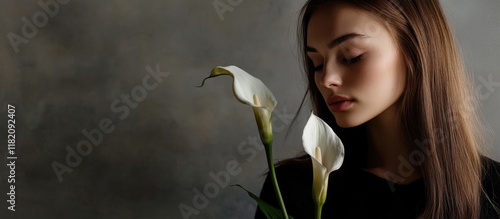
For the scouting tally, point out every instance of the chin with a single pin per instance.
(347, 121)
(344, 123)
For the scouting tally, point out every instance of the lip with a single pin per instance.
(339, 103)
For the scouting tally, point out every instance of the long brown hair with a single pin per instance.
(436, 110)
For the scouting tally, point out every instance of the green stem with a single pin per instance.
(269, 155)
(318, 210)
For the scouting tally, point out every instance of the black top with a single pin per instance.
(361, 194)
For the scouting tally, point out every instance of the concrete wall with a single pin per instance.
(81, 73)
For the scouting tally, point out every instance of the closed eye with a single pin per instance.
(318, 68)
(353, 60)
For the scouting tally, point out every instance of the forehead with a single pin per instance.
(333, 20)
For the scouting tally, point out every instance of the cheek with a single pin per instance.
(381, 76)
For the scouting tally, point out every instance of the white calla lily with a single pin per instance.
(251, 91)
(327, 154)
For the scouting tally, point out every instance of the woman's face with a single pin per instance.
(358, 68)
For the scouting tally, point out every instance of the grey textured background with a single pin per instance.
(91, 52)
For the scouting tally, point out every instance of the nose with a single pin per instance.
(330, 77)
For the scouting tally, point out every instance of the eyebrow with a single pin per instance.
(338, 40)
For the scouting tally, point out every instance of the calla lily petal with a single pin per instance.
(246, 86)
(327, 153)
(251, 91)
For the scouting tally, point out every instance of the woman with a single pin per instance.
(387, 77)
